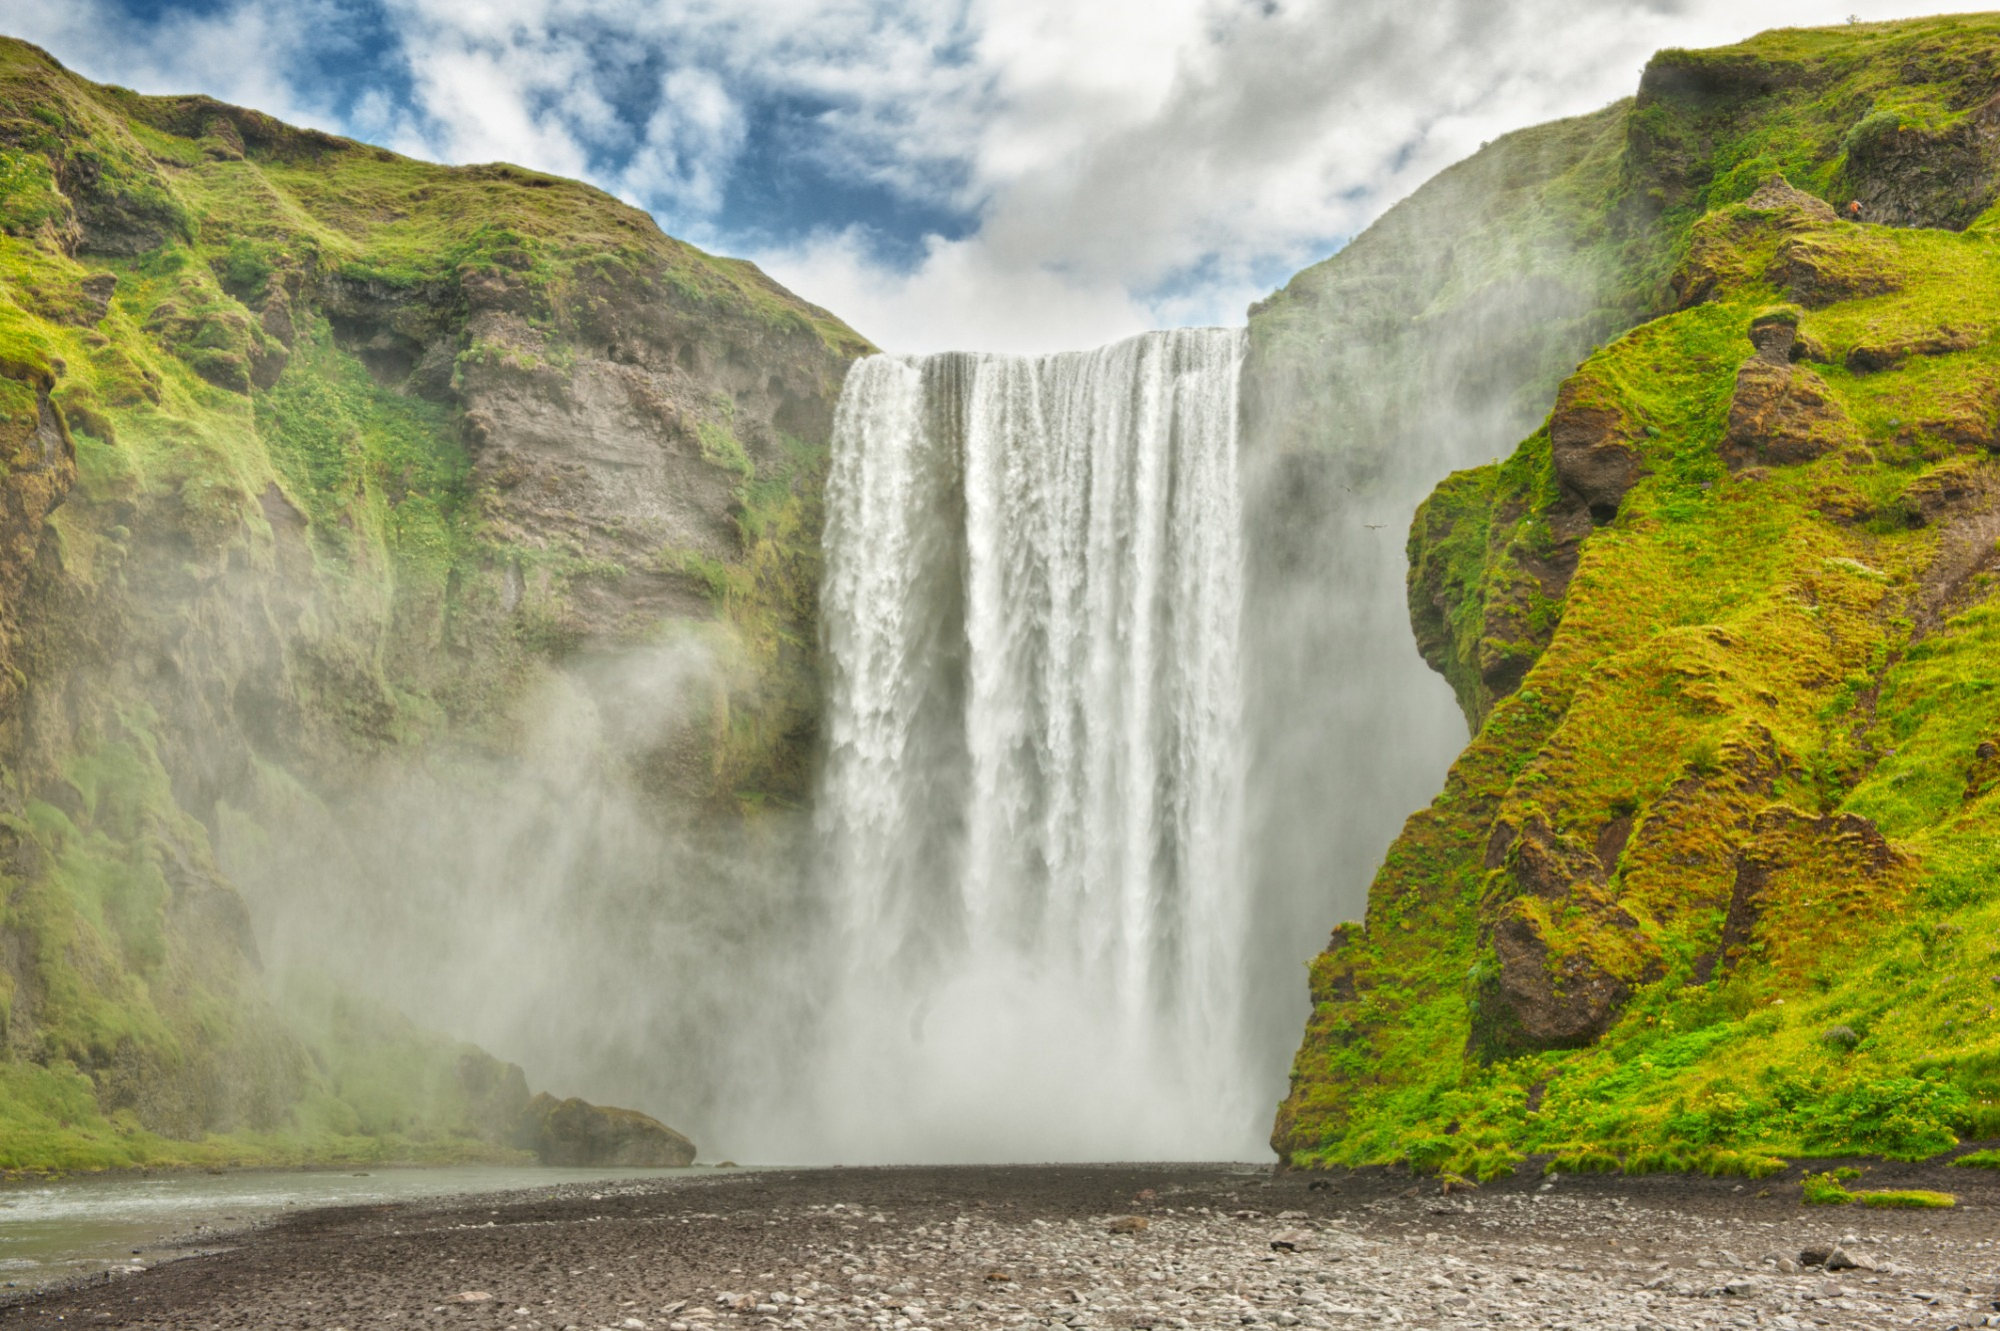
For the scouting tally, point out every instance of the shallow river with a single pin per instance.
(55, 1231)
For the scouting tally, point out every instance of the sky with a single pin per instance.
(1007, 175)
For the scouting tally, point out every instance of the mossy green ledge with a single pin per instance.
(1717, 880)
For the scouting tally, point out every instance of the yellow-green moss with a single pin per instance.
(1907, 1198)
(164, 270)
(1740, 661)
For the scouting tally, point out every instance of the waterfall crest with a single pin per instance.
(1031, 808)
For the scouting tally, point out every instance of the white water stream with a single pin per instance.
(1032, 804)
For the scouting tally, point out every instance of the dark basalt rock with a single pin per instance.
(1870, 357)
(1554, 1003)
(1536, 996)
(1909, 175)
(1716, 254)
(1821, 270)
(575, 1132)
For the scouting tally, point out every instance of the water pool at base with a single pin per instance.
(56, 1231)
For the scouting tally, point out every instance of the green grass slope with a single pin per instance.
(246, 541)
(1714, 882)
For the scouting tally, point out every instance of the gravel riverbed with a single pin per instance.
(1080, 1247)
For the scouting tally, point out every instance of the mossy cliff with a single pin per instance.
(318, 458)
(1714, 882)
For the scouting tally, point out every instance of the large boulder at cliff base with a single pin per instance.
(575, 1132)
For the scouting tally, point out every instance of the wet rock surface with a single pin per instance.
(1053, 1246)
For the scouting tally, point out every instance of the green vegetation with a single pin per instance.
(1826, 1189)
(1909, 1198)
(296, 536)
(1712, 884)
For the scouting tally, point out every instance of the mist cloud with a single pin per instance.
(1026, 174)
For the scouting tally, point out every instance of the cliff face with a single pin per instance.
(1707, 886)
(321, 460)
(1430, 343)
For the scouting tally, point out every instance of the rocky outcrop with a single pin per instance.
(1870, 356)
(1821, 268)
(39, 460)
(1905, 172)
(1717, 256)
(1548, 987)
(1782, 415)
(1591, 443)
(1460, 537)
(575, 1133)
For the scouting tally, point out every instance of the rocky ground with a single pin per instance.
(1084, 1247)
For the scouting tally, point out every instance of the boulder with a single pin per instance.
(1591, 442)
(1784, 414)
(575, 1132)
(1868, 357)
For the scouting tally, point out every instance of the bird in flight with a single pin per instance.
(1374, 526)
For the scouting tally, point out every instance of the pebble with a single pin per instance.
(1578, 1259)
(1523, 1259)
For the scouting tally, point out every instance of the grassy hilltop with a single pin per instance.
(1718, 879)
(313, 466)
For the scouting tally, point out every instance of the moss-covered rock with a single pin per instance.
(575, 1132)
(1728, 789)
(318, 460)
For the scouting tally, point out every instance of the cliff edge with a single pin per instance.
(1713, 883)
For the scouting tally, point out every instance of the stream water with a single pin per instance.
(59, 1230)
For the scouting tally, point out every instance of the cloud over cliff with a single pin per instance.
(1010, 174)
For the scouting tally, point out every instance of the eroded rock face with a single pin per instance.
(1553, 1001)
(1905, 175)
(40, 467)
(1868, 357)
(577, 1133)
(1591, 442)
(1777, 195)
(1545, 989)
(1782, 414)
(622, 437)
(1823, 269)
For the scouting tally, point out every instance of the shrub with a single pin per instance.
(1870, 133)
(1825, 1190)
(1906, 1118)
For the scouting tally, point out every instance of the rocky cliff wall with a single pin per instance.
(1706, 888)
(322, 461)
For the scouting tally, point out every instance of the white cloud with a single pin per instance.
(691, 143)
(240, 53)
(960, 296)
(1105, 152)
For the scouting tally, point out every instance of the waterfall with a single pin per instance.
(1031, 806)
